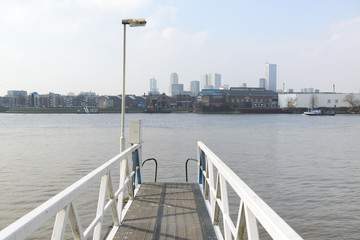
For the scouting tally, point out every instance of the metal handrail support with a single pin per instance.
(252, 208)
(186, 169)
(156, 165)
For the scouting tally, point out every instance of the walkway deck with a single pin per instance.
(167, 211)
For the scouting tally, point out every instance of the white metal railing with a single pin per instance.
(251, 207)
(63, 204)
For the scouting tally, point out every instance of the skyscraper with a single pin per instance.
(195, 87)
(173, 78)
(262, 83)
(153, 86)
(215, 80)
(270, 76)
(205, 81)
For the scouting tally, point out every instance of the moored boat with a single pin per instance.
(319, 112)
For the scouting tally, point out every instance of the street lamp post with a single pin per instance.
(136, 22)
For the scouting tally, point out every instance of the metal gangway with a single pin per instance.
(210, 194)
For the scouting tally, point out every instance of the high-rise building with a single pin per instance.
(153, 86)
(262, 83)
(195, 87)
(270, 76)
(16, 93)
(174, 78)
(205, 81)
(215, 80)
(177, 89)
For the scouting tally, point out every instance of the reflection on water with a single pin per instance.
(305, 168)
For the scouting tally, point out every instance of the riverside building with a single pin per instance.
(314, 100)
(243, 97)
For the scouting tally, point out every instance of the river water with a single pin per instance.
(306, 168)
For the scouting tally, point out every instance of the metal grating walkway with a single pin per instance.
(167, 211)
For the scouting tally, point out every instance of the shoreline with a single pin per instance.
(136, 110)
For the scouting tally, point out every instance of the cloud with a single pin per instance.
(129, 5)
(342, 37)
(347, 30)
(170, 33)
(177, 36)
(200, 38)
(18, 13)
(163, 14)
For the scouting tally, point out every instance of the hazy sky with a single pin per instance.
(67, 46)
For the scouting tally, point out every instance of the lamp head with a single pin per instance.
(135, 22)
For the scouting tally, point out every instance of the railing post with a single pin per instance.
(116, 220)
(136, 169)
(123, 165)
(60, 223)
(198, 160)
(135, 137)
(74, 221)
(101, 205)
(202, 167)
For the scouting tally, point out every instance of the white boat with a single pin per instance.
(313, 112)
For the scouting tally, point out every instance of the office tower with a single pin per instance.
(205, 81)
(153, 86)
(262, 83)
(270, 76)
(177, 89)
(215, 80)
(173, 79)
(195, 87)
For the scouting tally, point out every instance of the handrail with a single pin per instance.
(186, 169)
(251, 209)
(63, 204)
(156, 165)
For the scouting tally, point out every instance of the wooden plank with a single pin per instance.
(167, 211)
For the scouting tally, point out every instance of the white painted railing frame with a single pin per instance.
(63, 204)
(252, 208)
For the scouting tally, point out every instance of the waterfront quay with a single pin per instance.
(234, 100)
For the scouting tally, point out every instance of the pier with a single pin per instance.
(167, 211)
(157, 210)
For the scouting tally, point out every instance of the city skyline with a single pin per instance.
(75, 46)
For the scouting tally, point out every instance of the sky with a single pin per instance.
(73, 46)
